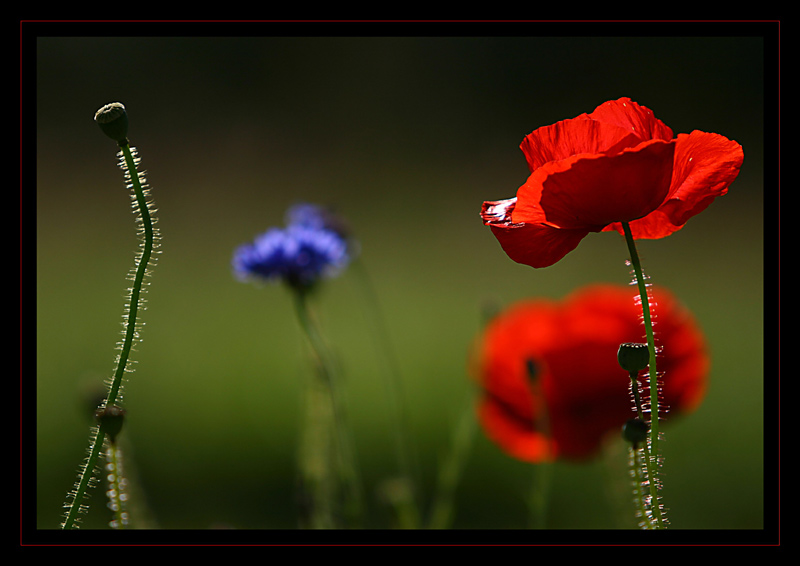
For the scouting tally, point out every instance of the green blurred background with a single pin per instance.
(405, 135)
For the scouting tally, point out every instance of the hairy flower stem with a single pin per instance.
(142, 264)
(328, 467)
(116, 490)
(635, 391)
(640, 498)
(135, 182)
(652, 456)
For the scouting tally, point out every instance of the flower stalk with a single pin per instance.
(113, 121)
(651, 453)
(117, 496)
(639, 489)
(543, 471)
(328, 465)
(314, 245)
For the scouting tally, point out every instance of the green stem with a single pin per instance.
(652, 459)
(87, 473)
(317, 460)
(450, 470)
(116, 487)
(142, 264)
(343, 456)
(635, 391)
(540, 494)
(542, 472)
(638, 487)
(141, 270)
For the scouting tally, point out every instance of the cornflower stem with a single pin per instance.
(651, 458)
(75, 506)
(337, 467)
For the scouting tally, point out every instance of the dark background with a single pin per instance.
(406, 130)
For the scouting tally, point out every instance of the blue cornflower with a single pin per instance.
(315, 216)
(300, 254)
(310, 215)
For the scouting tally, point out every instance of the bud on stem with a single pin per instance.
(113, 120)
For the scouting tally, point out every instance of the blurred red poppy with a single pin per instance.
(617, 164)
(551, 386)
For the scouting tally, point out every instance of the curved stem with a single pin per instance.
(141, 269)
(651, 463)
(142, 265)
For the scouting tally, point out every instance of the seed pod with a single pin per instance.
(113, 120)
(635, 431)
(112, 418)
(633, 357)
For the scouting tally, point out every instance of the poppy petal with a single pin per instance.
(653, 226)
(618, 164)
(578, 395)
(573, 137)
(528, 243)
(588, 192)
(633, 117)
(517, 437)
(705, 166)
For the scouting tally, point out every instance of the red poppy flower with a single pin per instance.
(551, 386)
(617, 164)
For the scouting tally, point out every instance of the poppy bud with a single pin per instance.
(112, 418)
(635, 431)
(113, 120)
(633, 357)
